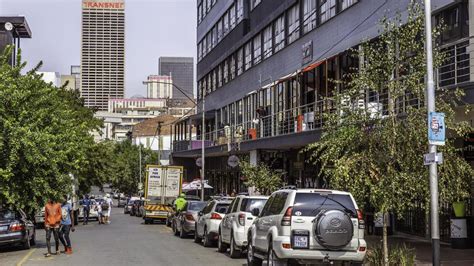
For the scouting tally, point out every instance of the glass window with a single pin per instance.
(327, 9)
(226, 71)
(214, 36)
(220, 30)
(268, 42)
(226, 22)
(232, 67)
(347, 3)
(309, 15)
(293, 23)
(204, 47)
(214, 80)
(279, 33)
(240, 61)
(204, 8)
(232, 15)
(310, 204)
(209, 43)
(213, 2)
(235, 204)
(248, 56)
(240, 10)
(278, 203)
(209, 5)
(199, 15)
(249, 204)
(254, 3)
(219, 76)
(257, 49)
(199, 51)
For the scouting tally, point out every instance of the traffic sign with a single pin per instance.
(431, 158)
(436, 129)
(233, 161)
(199, 162)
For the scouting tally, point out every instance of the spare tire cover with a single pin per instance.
(333, 229)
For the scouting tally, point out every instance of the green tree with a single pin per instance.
(373, 143)
(44, 136)
(261, 177)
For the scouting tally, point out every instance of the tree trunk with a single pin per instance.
(385, 239)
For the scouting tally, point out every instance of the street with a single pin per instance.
(126, 241)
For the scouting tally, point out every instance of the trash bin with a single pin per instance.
(459, 233)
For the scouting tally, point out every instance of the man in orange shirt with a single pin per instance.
(52, 221)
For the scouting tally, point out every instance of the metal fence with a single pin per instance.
(455, 69)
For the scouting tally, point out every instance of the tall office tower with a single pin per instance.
(181, 70)
(102, 52)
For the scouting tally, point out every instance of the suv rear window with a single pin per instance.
(222, 207)
(249, 204)
(196, 205)
(310, 204)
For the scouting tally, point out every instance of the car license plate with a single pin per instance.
(3, 228)
(300, 242)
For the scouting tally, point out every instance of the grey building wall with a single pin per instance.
(181, 70)
(5, 39)
(345, 30)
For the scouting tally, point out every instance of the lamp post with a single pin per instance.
(203, 130)
(433, 168)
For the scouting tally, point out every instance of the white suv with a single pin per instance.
(307, 226)
(236, 223)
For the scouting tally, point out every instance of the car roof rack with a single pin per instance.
(289, 187)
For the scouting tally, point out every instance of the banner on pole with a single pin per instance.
(436, 129)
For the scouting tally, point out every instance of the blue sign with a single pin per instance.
(436, 129)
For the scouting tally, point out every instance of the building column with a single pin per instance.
(253, 161)
(470, 49)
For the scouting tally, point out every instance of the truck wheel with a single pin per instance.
(234, 252)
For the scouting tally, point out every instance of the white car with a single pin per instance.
(236, 223)
(307, 226)
(93, 214)
(39, 218)
(207, 226)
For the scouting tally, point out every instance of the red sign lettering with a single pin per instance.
(103, 5)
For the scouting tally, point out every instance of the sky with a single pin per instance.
(153, 28)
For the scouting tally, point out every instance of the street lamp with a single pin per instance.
(203, 129)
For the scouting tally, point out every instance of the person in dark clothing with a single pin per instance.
(67, 216)
(86, 203)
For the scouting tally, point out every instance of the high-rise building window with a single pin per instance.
(219, 76)
(309, 15)
(209, 43)
(347, 3)
(220, 30)
(268, 42)
(213, 37)
(214, 80)
(226, 71)
(240, 10)
(199, 52)
(232, 16)
(293, 23)
(232, 67)
(199, 15)
(254, 3)
(209, 5)
(248, 56)
(204, 47)
(279, 33)
(226, 23)
(327, 9)
(257, 49)
(240, 61)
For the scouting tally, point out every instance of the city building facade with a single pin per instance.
(181, 71)
(102, 74)
(159, 87)
(70, 80)
(266, 70)
(51, 77)
(76, 72)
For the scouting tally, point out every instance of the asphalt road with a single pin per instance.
(126, 241)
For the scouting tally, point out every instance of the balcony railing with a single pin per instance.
(455, 69)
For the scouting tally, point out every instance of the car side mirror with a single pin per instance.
(255, 212)
(200, 213)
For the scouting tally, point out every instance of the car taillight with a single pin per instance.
(189, 217)
(286, 221)
(215, 216)
(242, 219)
(16, 227)
(360, 217)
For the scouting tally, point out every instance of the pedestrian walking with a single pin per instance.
(107, 208)
(67, 216)
(98, 208)
(86, 205)
(52, 222)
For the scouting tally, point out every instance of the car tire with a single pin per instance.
(221, 246)
(182, 234)
(207, 242)
(272, 258)
(33, 239)
(234, 252)
(168, 222)
(197, 239)
(251, 259)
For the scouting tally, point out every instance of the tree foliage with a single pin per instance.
(261, 177)
(44, 136)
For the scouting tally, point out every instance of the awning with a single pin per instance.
(287, 77)
(314, 65)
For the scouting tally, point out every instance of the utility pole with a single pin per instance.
(140, 158)
(433, 168)
(159, 142)
(203, 137)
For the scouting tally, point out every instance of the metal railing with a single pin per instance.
(455, 69)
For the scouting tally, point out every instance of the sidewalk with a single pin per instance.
(449, 256)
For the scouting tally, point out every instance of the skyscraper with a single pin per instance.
(102, 52)
(181, 70)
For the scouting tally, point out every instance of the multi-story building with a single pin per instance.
(76, 72)
(159, 87)
(181, 71)
(51, 77)
(70, 80)
(102, 52)
(266, 69)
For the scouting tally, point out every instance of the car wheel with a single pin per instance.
(197, 239)
(175, 229)
(207, 241)
(26, 243)
(33, 239)
(221, 246)
(234, 252)
(182, 234)
(251, 259)
(272, 259)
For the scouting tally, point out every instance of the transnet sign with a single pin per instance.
(103, 5)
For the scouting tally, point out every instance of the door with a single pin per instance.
(261, 222)
(226, 223)
(206, 214)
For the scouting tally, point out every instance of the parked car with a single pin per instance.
(122, 201)
(184, 222)
(136, 205)
(93, 215)
(307, 226)
(233, 229)
(127, 209)
(16, 228)
(207, 225)
(140, 212)
(39, 218)
(172, 213)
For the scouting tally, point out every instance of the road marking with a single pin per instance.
(25, 258)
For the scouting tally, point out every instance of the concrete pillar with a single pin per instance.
(470, 49)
